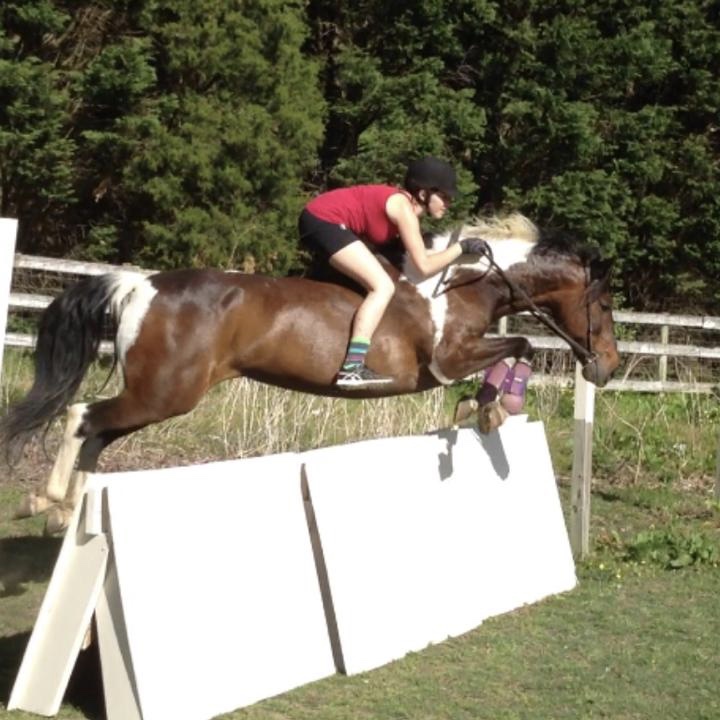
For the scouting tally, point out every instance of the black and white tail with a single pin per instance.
(69, 335)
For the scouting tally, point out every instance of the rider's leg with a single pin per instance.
(358, 263)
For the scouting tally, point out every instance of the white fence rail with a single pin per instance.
(632, 350)
(662, 350)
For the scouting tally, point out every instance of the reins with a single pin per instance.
(586, 353)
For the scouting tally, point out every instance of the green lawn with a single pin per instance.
(634, 639)
(638, 638)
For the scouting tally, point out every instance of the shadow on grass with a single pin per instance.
(24, 560)
(84, 690)
(607, 495)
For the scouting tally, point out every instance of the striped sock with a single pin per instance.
(357, 350)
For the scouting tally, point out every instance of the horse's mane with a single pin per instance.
(502, 227)
(547, 243)
(553, 243)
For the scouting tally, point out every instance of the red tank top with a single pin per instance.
(360, 208)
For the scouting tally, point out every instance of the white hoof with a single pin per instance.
(32, 505)
(491, 417)
(465, 409)
(57, 521)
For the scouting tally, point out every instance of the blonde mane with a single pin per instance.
(502, 227)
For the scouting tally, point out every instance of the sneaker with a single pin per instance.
(360, 377)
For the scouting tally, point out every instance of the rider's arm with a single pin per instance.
(400, 211)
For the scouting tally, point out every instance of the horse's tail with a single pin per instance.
(68, 341)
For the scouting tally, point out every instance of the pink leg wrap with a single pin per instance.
(494, 379)
(508, 381)
(513, 399)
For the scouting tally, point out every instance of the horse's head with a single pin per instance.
(548, 271)
(585, 312)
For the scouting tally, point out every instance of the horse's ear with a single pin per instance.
(600, 269)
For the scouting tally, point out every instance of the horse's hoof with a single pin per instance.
(491, 417)
(32, 505)
(465, 409)
(57, 521)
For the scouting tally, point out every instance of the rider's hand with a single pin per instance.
(474, 246)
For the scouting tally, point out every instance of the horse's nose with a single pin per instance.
(592, 373)
(599, 370)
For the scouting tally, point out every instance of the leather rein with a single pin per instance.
(583, 352)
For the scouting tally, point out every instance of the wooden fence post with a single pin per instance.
(717, 472)
(663, 363)
(582, 465)
(8, 231)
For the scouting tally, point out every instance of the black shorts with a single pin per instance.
(320, 235)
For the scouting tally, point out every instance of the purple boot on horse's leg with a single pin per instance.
(494, 379)
(515, 387)
(486, 396)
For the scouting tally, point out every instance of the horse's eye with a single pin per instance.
(605, 306)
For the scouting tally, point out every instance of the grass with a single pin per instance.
(616, 649)
(637, 639)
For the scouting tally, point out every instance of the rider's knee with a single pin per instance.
(385, 288)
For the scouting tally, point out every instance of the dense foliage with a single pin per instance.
(176, 133)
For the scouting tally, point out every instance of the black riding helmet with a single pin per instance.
(431, 174)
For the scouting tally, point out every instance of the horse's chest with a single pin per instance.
(458, 329)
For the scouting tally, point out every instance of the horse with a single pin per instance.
(180, 332)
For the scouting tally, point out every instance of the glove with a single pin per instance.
(475, 246)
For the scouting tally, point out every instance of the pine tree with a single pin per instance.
(185, 129)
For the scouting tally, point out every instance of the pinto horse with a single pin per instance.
(180, 332)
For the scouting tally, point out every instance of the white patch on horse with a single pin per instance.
(511, 240)
(131, 299)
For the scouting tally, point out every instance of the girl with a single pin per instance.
(338, 221)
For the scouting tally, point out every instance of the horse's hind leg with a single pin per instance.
(56, 486)
(59, 516)
(102, 423)
(57, 483)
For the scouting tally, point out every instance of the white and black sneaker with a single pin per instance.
(359, 377)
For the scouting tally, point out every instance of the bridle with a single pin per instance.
(584, 353)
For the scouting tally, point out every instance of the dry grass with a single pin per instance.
(244, 419)
(237, 419)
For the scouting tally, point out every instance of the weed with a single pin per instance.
(673, 548)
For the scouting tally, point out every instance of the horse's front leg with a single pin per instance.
(515, 386)
(507, 363)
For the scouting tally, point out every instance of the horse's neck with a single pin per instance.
(541, 282)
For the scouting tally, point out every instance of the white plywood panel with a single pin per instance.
(8, 232)
(121, 701)
(218, 586)
(424, 537)
(62, 622)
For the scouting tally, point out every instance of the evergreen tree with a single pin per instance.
(36, 154)
(601, 119)
(179, 133)
(189, 128)
(397, 88)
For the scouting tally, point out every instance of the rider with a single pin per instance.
(337, 222)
